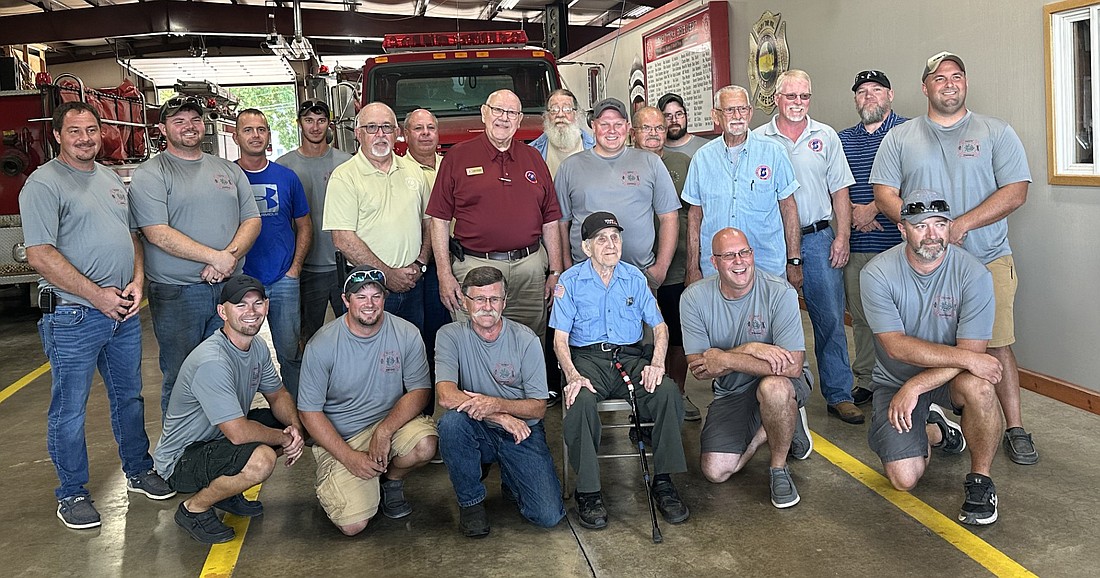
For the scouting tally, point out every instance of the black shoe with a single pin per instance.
(861, 395)
(980, 506)
(647, 435)
(240, 506)
(394, 504)
(1019, 447)
(474, 521)
(669, 502)
(953, 441)
(591, 511)
(204, 527)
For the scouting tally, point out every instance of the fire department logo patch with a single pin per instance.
(631, 178)
(531, 177)
(763, 172)
(945, 307)
(223, 182)
(756, 325)
(390, 361)
(119, 197)
(816, 145)
(504, 373)
(970, 148)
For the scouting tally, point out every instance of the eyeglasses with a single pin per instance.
(482, 301)
(738, 110)
(373, 275)
(499, 112)
(919, 208)
(373, 128)
(558, 110)
(673, 115)
(653, 129)
(793, 96)
(743, 253)
(318, 106)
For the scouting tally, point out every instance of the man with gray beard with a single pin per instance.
(872, 232)
(562, 135)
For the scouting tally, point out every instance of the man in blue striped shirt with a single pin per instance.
(872, 232)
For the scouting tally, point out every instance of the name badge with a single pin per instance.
(471, 171)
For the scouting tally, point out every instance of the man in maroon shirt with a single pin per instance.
(501, 197)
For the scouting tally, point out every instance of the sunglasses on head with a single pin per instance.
(374, 276)
(318, 106)
(178, 101)
(918, 208)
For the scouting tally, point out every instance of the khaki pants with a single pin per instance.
(526, 288)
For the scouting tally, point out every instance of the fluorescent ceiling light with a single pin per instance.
(222, 70)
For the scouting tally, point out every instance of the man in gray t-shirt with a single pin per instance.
(743, 330)
(212, 444)
(363, 385)
(630, 182)
(491, 377)
(313, 162)
(199, 219)
(930, 306)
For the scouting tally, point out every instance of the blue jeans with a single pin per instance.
(183, 316)
(526, 468)
(823, 289)
(77, 339)
(285, 316)
(408, 305)
(319, 290)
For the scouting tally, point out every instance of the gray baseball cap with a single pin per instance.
(923, 204)
(936, 60)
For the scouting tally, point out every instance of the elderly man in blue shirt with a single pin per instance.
(599, 307)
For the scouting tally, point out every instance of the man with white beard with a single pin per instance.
(561, 135)
(375, 210)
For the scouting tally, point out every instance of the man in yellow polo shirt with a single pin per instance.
(375, 206)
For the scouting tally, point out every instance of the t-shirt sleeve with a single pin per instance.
(446, 354)
(977, 309)
(840, 174)
(214, 388)
(245, 197)
(787, 321)
(414, 362)
(149, 197)
(693, 321)
(886, 170)
(40, 210)
(1009, 159)
(665, 199)
(341, 204)
(270, 382)
(313, 379)
(298, 199)
(878, 304)
(532, 367)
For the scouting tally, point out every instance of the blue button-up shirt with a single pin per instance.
(592, 313)
(744, 194)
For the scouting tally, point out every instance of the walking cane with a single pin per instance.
(646, 478)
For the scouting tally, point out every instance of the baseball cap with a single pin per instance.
(237, 286)
(174, 105)
(670, 97)
(597, 221)
(362, 276)
(922, 204)
(610, 104)
(935, 60)
(870, 76)
(317, 106)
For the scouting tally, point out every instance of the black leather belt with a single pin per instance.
(634, 349)
(818, 226)
(515, 255)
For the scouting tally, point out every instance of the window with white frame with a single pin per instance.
(1073, 91)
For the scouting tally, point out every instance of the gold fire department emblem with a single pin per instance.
(768, 58)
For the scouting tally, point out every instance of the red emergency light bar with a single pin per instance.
(394, 42)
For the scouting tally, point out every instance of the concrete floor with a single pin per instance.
(1048, 512)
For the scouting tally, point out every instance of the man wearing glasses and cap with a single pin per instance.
(563, 131)
(198, 219)
(979, 164)
(364, 383)
(931, 308)
(872, 232)
(313, 162)
(679, 140)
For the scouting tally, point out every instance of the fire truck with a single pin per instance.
(453, 73)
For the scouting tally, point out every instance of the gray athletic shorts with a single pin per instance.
(734, 419)
(892, 446)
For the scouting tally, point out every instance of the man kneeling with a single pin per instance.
(364, 382)
(212, 444)
(491, 376)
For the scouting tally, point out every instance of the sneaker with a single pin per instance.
(953, 441)
(980, 506)
(394, 504)
(590, 510)
(802, 444)
(669, 503)
(554, 399)
(784, 494)
(77, 512)
(474, 521)
(437, 458)
(151, 484)
(691, 411)
(204, 527)
(1019, 447)
(847, 412)
(861, 395)
(240, 506)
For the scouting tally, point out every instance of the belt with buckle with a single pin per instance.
(818, 226)
(634, 349)
(514, 255)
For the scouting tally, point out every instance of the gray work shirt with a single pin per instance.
(314, 173)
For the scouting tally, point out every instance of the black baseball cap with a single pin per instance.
(237, 286)
(362, 276)
(316, 106)
(598, 221)
(610, 104)
(876, 76)
(174, 105)
(670, 97)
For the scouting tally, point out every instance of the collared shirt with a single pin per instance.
(742, 193)
(593, 313)
(499, 199)
(384, 209)
(542, 143)
(429, 172)
(554, 157)
(860, 147)
(819, 165)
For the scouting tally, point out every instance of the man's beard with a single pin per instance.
(565, 138)
(872, 114)
(931, 250)
(677, 133)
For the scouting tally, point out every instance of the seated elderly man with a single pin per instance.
(491, 377)
(930, 305)
(599, 307)
(742, 329)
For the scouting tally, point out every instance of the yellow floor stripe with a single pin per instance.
(979, 550)
(23, 381)
(222, 558)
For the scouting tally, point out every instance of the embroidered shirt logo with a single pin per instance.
(816, 145)
(531, 177)
(390, 362)
(763, 172)
(756, 326)
(970, 148)
(945, 307)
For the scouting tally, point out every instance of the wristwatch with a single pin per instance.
(797, 262)
(423, 267)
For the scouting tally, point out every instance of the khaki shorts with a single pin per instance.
(348, 499)
(1004, 294)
